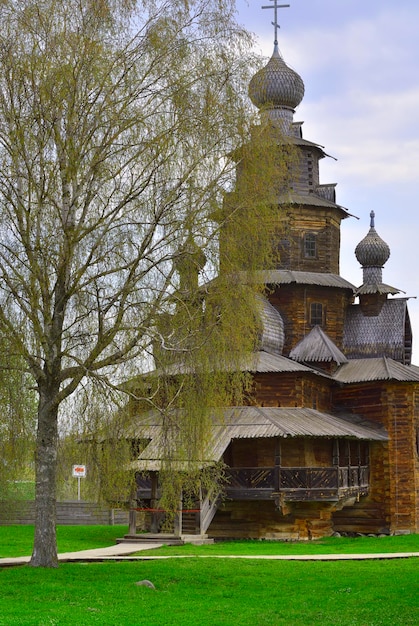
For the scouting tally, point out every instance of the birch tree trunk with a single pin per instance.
(45, 544)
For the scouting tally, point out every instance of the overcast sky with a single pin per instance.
(359, 61)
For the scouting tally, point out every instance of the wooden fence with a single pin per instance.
(71, 512)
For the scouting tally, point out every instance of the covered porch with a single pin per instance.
(286, 456)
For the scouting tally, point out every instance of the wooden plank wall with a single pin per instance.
(68, 513)
(324, 224)
(261, 519)
(403, 467)
(394, 466)
(293, 302)
(292, 390)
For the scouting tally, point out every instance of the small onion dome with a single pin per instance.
(276, 85)
(372, 251)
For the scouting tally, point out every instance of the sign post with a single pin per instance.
(79, 471)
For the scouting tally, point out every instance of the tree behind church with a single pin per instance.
(115, 119)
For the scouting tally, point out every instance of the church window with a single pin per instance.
(310, 246)
(316, 314)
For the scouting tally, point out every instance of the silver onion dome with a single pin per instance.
(276, 85)
(372, 251)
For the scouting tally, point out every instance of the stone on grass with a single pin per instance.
(145, 583)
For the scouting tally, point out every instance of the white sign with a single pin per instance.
(79, 471)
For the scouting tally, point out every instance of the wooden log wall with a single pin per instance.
(294, 452)
(416, 443)
(403, 466)
(394, 475)
(261, 519)
(251, 453)
(296, 222)
(292, 390)
(293, 302)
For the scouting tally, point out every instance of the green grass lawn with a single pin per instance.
(18, 540)
(213, 591)
(327, 545)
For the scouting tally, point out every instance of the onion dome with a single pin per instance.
(372, 251)
(276, 86)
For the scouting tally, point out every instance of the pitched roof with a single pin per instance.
(255, 422)
(381, 288)
(312, 199)
(262, 362)
(257, 362)
(374, 369)
(248, 422)
(382, 335)
(317, 346)
(288, 277)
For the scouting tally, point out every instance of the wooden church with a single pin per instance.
(330, 442)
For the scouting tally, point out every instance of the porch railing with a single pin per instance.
(307, 482)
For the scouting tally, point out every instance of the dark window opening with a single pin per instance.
(310, 245)
(316, 314)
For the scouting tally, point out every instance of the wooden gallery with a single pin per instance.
(329, 440)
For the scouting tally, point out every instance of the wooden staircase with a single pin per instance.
(209, 508)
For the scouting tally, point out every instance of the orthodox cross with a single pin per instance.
(275, 7)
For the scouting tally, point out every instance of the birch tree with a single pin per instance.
(116, 117)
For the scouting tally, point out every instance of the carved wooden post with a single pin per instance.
(154, 526)
(132, 516)
(178, 518)
(335, 461)
(198, 520)
(132, 519)
(277, 475)
(348, 448)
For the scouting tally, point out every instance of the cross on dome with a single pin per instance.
(372, 215)
(275, 7)
(277, 89)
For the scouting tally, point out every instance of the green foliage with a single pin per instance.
(206, 338)
(116, 119)
(17, 423)
(96, 436)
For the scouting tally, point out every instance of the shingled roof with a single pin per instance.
(386, 334)
(272, 333)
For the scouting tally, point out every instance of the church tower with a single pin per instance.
(305, 287)
(310, 215)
